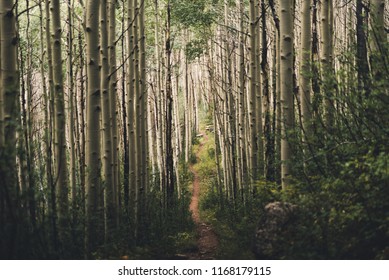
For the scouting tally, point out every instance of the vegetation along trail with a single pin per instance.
(101, 101)
(207, 240)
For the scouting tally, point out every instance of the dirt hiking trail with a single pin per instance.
(207, 242)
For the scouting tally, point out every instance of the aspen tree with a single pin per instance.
(28, 125)
(254, 171)
(326, 56)
(188, 135)
(83, 97)
(106, 123)
(61, 173)
(141, 115)
(10, 93)
(277, 88)
(305, 58)
(143, 108)
(50, 108)
(71, 97)
(169, 108)
(113, 108)
(131, 106)
(240, 129)
(138, 116)
(286, 80)
(93, 129)
(158, 101)
(125, 99)
(268, 152)
(177, 133)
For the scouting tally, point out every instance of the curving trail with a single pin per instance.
(207, 240)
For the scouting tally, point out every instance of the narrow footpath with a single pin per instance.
(207, 242)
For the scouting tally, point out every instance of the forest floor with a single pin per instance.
(207, 241)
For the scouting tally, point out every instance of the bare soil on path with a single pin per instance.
(207, 242)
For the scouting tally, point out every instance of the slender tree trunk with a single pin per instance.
(113, 108)
(286, 76)
(138, 118)
(61, 174)
(305, 59)
(169, 107)
(10, 93)
(110, 213)
(82, 68)
(240, 129)
(28, 125)
(254, 172)
(158, 102)
(93, 129)
(132, 146)
(326, 59)
(266, 100)
(50, 173)
(142, 114)
(71, 94)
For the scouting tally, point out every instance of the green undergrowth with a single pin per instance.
(343, 215)
(233, 232)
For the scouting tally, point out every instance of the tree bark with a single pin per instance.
(305, 70)
(286, 76)
(61, 173)
(93, 129)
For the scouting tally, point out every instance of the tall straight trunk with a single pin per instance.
(113, 108)
(138, 117)
(93, 130)
(28, 126)
(286, 76)
(143, 112)
(326, 58)
(158, 100)
(169, 109)
(47, 132)
(50, 108)
(177, 133)
(315, 81)
(82, 68)
(61, 174)
(125, 98)
(70, 80)
(10, 93)
(277, 91)
(305, 70)
(254, 172)
(266, 101)
(188, 136)
(240, 129)
(131, 107)
(110, 213)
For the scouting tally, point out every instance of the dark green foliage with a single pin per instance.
(340, 185)
(195, 48)
(196, 13)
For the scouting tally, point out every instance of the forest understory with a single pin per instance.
(194, 129)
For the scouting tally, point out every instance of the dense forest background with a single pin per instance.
(142, 129)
